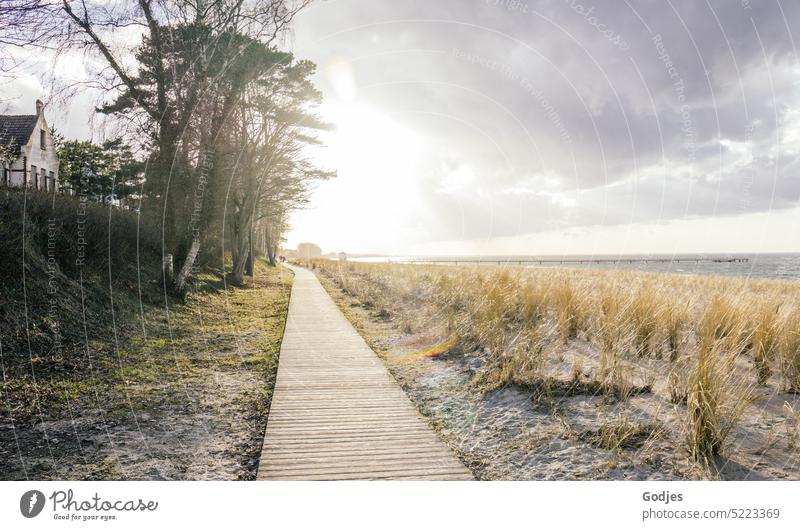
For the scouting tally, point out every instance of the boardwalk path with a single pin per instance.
(336, 412)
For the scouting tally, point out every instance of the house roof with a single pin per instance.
(16, 129)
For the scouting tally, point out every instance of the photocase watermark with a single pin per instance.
(547, 107)
(588, 13)
(31, 503)
(52, 288)
(679, 87)
(83, 204)
(511, 5)
(590, 16)
(748, 175)
(66, 506)
(199, 194)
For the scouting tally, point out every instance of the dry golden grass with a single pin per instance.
(609, 322)
(715, 401)
(623, 431)
(718, 337)
(566, 305)
(789, 348)
(766, 334)
(645, 312)
(675, 316)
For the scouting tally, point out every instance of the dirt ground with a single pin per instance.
(517, 433)
(186, 400)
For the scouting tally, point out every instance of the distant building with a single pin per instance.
(308, 251)
(27, 153)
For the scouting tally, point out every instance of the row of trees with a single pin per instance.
(225, 117)
(107, 173)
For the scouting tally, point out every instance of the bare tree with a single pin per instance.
(195, 61)
(219, 108)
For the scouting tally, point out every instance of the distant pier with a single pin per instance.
(570, 261)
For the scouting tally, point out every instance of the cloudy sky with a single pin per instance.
(556, 126)
(537, 126)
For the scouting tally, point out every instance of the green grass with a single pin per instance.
(103, 338)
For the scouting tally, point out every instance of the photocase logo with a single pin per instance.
(31, 503)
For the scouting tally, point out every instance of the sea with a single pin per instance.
(775, 266)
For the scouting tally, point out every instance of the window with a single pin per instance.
(34, 179)
(43, 180)
(52, 181)
(42, 138)
(5, 174)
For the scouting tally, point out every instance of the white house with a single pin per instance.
(27, 154)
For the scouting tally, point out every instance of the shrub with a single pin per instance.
(714, 403)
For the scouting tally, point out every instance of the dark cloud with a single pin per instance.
(576, 112)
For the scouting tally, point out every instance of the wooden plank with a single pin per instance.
(337, 413)
(375, 438)
(348, 451)
(393, 474)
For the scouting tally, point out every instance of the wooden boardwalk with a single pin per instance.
(337, 413)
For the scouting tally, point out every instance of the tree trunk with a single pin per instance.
(249, 267)
(270, 242)
(186, 268)
(167, 268)
(239, 245)
(188, 226)
(239, 260)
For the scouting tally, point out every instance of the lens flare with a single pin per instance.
(434, 351)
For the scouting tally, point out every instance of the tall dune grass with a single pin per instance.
(766, 332)
(719, 336)
(645, 313)
(675, 317)
(709, 419)
(609, 321)
(567, 306)
(789, 347)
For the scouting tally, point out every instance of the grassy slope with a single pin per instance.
(187, 400)
(154, 388)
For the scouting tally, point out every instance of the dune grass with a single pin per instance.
(715, 401)
(789, 352)
(712, 339)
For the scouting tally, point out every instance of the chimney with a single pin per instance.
(39, 107)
